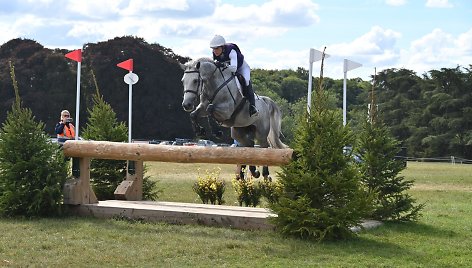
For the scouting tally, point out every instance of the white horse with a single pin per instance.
(219, 94)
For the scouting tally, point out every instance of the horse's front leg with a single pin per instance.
(265, 173)
(200, 111)
(197, 128)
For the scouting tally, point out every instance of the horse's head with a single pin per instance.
(196, 73)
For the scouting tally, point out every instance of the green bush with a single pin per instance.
(380, 172)
(322, 196)
(270, 189)
(106, 174)
(209, 187)
(32, 169)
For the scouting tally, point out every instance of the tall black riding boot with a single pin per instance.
(252, 102)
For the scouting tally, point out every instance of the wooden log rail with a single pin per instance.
(177, 154)
(78, 190)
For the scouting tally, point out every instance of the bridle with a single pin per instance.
(199, 92)
(200, 84)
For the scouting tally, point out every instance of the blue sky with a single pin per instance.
(419, 35)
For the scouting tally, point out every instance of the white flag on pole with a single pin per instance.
(350, 65)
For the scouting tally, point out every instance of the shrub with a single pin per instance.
(32, 169)
(248, 192)
(107, 174)
(270, 189)
(380, 172)
(209, 187)
(322, 196)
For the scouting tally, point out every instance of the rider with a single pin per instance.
(229, 53)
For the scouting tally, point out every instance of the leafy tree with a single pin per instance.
(380, 171)
(106, 174)
(322, 196)
(446, 118)
(399, 97)
(293, 88)
(32, 169)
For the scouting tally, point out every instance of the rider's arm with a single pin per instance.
(233, 57)
(59, 128)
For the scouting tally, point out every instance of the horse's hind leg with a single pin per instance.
(240, 172)
(254, 172)
(265, 173)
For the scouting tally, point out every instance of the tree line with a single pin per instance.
(430, 114)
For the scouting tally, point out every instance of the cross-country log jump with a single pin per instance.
(177, 154)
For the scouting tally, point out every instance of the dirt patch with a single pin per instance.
(442, 187)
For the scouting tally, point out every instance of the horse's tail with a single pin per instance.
(275, 125)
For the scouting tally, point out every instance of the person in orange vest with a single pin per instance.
(65, 130)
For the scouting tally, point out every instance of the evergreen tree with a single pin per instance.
(322, 196)
(32, 169)
(102, 125)
(106, 174)
(380, 170)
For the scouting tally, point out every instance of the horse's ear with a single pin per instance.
(198, 65)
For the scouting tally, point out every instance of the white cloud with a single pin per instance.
(93, 9)
(464, 44)
(395, 2)
(171, 8)
(275, 13)
(378, 44)
(438, 3)
(438, 49)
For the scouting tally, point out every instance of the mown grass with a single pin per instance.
(441, 238)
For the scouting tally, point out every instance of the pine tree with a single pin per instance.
(106, 174)
(380, 170)
(32, 169)
(322, 196)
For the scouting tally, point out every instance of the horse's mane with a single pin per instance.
(193, 63)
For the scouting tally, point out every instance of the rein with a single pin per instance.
(210, 100)
(222, 86)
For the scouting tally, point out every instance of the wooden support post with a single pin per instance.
(78, 191)
(132, 187)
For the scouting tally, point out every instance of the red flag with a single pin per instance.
(75, 55)
(127, 65)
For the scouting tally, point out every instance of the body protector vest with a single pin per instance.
(224, 57)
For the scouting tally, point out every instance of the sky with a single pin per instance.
(419, 35)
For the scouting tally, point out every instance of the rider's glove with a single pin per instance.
(220, 64)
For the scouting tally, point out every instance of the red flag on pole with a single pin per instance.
(127, 65)
(75, 55)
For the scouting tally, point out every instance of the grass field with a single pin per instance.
(442, 237)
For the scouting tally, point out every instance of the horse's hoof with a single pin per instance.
(268, 178)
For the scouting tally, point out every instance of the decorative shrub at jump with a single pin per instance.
(248, 191)
(209, 187)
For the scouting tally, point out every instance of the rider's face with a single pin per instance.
(217, 51)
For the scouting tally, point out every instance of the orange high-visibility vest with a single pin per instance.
(68, 133)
